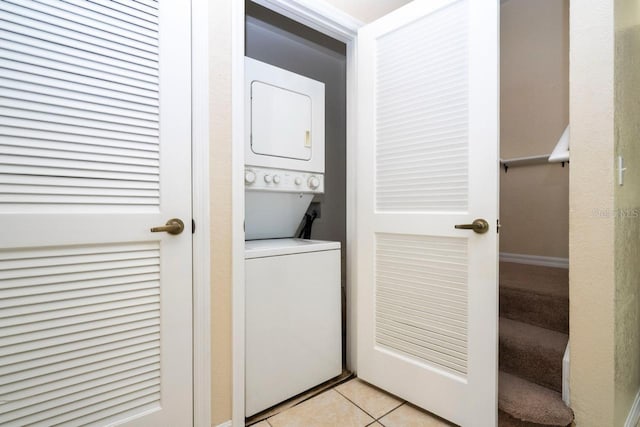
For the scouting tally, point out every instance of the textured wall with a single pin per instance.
(604, 227)
(220, 105)
(627, 206)
(534, 97)
(591, 239)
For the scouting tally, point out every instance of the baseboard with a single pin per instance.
(566, 366)
(226, 424)
(634, 414)
(546, 261)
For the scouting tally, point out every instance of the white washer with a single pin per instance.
(293, 330)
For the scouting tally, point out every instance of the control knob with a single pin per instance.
(267, 178)
(249, 176)
(314, 182)
(298, 180)
(276, 179)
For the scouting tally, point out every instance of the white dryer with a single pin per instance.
(284, 119)
(293, 330)
(284, 149)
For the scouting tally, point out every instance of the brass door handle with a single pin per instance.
(479, 226)
(173, 226)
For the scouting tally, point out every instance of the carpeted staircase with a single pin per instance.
(534, 328)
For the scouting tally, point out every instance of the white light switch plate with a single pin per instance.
(621, 170)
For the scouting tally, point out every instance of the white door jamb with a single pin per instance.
(200, 213)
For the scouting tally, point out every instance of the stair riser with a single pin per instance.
(542, 366)
(540, 310)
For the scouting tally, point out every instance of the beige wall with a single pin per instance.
(591, 236)
(627, 205)
(220, 80)
(534, 97)
(604, 244)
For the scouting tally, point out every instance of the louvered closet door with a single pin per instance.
(95, 310)
(428, 160)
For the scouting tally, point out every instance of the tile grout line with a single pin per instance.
(387, 413)
(375, 420)
(357, 406)
(402, 402)
(306, 396)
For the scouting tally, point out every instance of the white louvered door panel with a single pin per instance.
(428, 160)
(95, 149)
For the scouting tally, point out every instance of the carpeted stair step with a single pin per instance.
(535, 295)
(532, 353)
(506, 420)
(526, 404)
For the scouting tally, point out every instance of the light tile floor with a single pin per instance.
(354, 404)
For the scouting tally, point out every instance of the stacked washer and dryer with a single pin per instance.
(293, 321)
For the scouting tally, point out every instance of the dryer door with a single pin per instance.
(280, 122)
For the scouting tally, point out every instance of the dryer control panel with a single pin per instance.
(270, 179)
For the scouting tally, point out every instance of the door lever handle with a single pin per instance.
(479, 226)
(173, 226)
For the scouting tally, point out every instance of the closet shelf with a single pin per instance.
(524, 161)
(560, 154)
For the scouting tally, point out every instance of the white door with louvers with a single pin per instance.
(428, 160)
(95, 149)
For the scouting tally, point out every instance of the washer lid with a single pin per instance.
(274, 247)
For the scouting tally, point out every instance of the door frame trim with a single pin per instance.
(201, 247)
(334, 23)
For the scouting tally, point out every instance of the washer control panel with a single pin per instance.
(258, 178)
